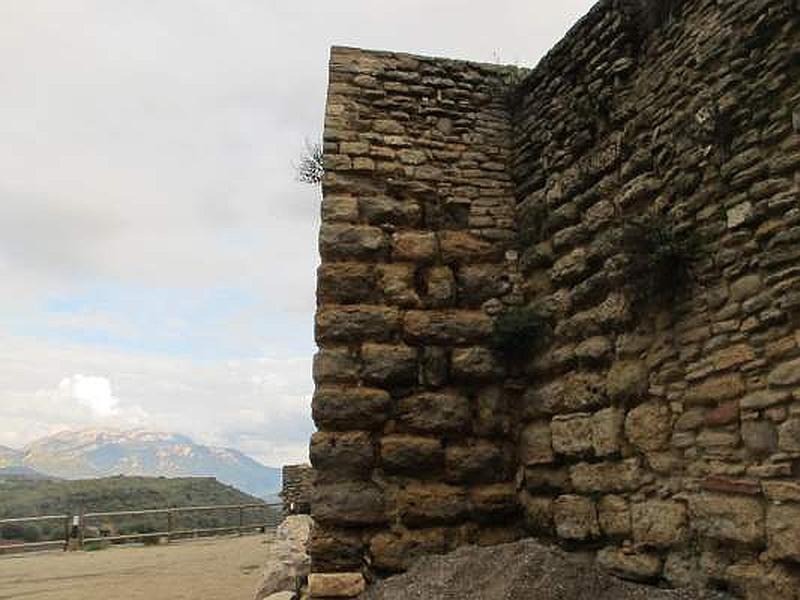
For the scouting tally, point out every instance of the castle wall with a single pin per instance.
(664, 436)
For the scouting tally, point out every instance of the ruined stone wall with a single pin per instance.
(665, 437)
(296, 489)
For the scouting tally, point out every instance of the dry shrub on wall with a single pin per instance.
(518, 332)
(658, 258)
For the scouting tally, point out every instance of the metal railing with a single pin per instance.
(75, 525)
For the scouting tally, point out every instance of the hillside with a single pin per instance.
(103, 453)
(26, 497)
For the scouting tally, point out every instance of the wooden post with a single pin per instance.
(241, 520)
(67, 522)
(81, 526)
(170, 525)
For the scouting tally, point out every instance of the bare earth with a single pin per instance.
(213, 569)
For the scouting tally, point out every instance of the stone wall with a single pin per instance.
(665, 437)
(297, 488)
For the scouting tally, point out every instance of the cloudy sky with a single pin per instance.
(156, 257)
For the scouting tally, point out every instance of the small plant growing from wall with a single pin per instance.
(311, 168)
(518, 332)
(659, 258)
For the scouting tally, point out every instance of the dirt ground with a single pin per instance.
(212, 569)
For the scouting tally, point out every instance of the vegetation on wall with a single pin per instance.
(519, 331)
(310, 169)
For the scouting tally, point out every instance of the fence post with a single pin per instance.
(67, 522)
(170, 525)
(241, 519)
(81, 526)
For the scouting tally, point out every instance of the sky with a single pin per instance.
(157, 258)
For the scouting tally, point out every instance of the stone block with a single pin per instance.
(335, 549)
(628, 564)
(727, 518)
(389, 365)
(336, 585)
(452, 327)
(477, 461)
(356, 323)
(759, 437)
(659, 523)
(440, 287)
(614, 516)
(492, 417)
(345, 283)
(335, 365)
(435, 412)
(787, 374)
(343, 241)
(782, 491)
(604, 477)
(789, 436)
(627, 380)
(475, 363)
(479, 283)
(347, 408)
(783, 532)
(594, 350)
(339, 207)
(575, 392)
(396, 283)
(535, 444)
(746, 287)
(348, 504)
(421, 504)
(607, 425)
(572, 434)
(740, 214)
(569, 269)
(763, 399)
(409, 454)
(414, 246)
(538, 513)
(716, 389)
(575, 518)
(434, 371)
(463, 247)
(732, 356)
(495, 501)
(383, 210)
(396, 551)
(648, 426)
(343, 454)
(543, 478)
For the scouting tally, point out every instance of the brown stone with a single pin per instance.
(786, 374)
(440, 287)
(432, 503)
(335, 549)
(626, 564)
(447, 327)
(462, 247)
(477, 461)
(620, 476)
(389, 365)
(727, 518)
(355, 323)
(337, 207)
(538, 513)
(395, 552)
(343, 241)
(732, 356)
(435, 412)
(614, 515)
(396, 282)
(348, 504)
(607, 425)
(575, 518)
(727, 485)
(763, 399)
(782, 491)
(410, 454)
(716, 389)
(570, 268)
(336, 585)
(659, 523)
(478, 283)
(789, 436)
(335, 365)
(492, 417)
(343, 454)
(783, 532)
(725, 414)
(544, 478)
(535, 445)
(383, 210)
(475, 363)
(498, 500)
(341, 407)
(760, 437)
(627, 380)
(345, 283)
(572, 393)
(414, 246)
(572, 434)
(648, 426)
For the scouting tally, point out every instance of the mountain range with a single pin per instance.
(92, 453)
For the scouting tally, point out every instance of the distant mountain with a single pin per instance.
(19, 472)
(95, 453)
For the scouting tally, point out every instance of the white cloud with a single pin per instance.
(92, 392)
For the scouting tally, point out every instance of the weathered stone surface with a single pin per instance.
(341, 407)
(397, 551)
(659, 523)
(414, 246)
(542, 478)
(388, 364)
(607, 425)
(575, 518)
(462, 247)
(745, 287)
(435, 412)
(434, 368)
(478, 283)
(476, 461)
(763, 399)
(782, 491)
(335, 549)
(789, 436)
(493, 416)
(354, 323)
(614, 515)
(569, 269)
(397, 285)
(783, 532)
(785, 374)
(336, 585)
(339, 207)
(410, 454)
(627, 564)
(288, 562)
(538, 513)
(494, 501)
(594, 350)
(432, 503)
(339, 241)
(648, 426)
(727, 518)
(732, 356)
(759, 437)
(627, 380)
(475, 363)
(716, 389)
(342, 454)
(348, 504)
(535, 444)
(572, 434)
(382, 210)
(345, 283)
(335, 365)
(622, 476)
(447, 327)
(572, 393)
(440, 287)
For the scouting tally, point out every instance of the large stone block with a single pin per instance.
(477, 461)
(627, 564)
(389, 365)
(727, 518)
(414, 246)
(495, 501)
(348, 504)
(493, 416)
(659, 523)
(411, 454)
(649, 426)
(432, 503)
(383, 210)
(783, 532)
(572, 434)
(463, 247)
(475, 363)
(614, 516)
(336, 585)
(397, 286)
(535, 444)
(440, 287)
(340, 407)
(787, 374)
(622, 476)
(607, 427)
(478, 283)
(538, 513)
(543, 478)
(356, 323)
(345, 283)
(627, 380)
(435, 412)
(344, 455)
(335, 549)
(789, 436)
(343, 241)
(396, 551)
(570, 268)
(575, 518)
(575, 392)
(716, 389)
(447, 327)
(335, 365)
